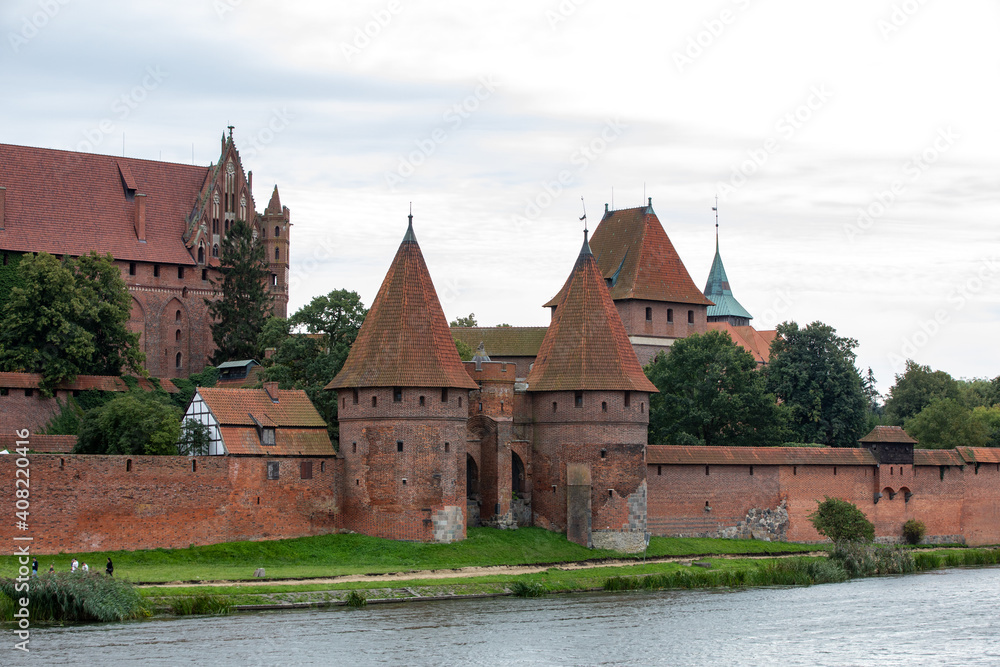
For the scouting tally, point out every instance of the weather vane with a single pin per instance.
(584, 216)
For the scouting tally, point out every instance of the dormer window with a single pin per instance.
(267, 436)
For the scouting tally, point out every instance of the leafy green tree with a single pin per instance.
(989, 417)
(915, 389)
(135, 423)
(469, 321)
(842, 521)
(195, 438)
(812, 371)
(465, 351)
(946, 423)
(337, 316)
(711, 393)
(977, 392)
(245, 301)
(68, 318)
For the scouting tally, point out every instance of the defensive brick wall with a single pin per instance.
(94, 503)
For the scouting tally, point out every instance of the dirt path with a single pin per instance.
(465, 572)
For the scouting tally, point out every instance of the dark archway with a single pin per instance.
(471, 478)
(516, 475)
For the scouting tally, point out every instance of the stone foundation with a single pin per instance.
(628, 542)
(448, 524)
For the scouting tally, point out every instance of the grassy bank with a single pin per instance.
(336, 555)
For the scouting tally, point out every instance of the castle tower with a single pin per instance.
(403, 400)
(275, 228)
(726, 308)
(589, 400)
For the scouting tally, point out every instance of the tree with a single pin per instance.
(338, 316)
(469, 321)
(915, 389)
(195, 438)
(945, 423)
(842, 521)
(68, 318)
(245, 301)
(812, 371)
(990, 420)
(465, 351)
(135, 423)
(711, 394)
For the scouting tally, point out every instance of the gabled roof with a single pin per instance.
(636, 255)
(586, 347)
(717, 289)
(404, 340)
(67, 203)
(694, 455)
(239, 407)
(757, 343)
(502, 341)
(243, 363)
(888, 434)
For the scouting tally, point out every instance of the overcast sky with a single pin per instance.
(853, 145)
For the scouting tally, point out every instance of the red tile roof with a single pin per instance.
(633, 250)
(63, 202)
(244, 440)
(49, 444)
(830, 456)
(586, 347)
(502, 341)
(937, 457)
(82, 383)
(405, 340)
(979, 454)
(757, 343)
(233, 407)
(888, 434)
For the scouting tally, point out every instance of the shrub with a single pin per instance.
(914, 531)
(356, 600)
(78, 596)
(842, 521)
(531, 589)
(867, 560)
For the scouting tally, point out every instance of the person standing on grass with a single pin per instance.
(85, 568)
(73, 565)
(34, 567)
(52, 568)
(111, 568)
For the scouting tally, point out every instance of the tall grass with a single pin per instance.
(867, 560)
(957, 558)
(200, 604)
(789, 572)
(75, 596)
(528, 589)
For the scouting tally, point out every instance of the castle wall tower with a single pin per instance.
(403, 401)
(589, 401)
(275, 226)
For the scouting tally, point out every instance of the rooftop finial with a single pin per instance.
(230, 130)
(584, 216)
(410, 236)
(411, 214)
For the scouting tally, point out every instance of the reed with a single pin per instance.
(199, 604)
(75, 596)
(528, 589)
(356, 600)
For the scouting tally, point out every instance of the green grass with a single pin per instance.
(334, 555)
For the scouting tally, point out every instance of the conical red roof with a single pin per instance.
(586, 347)
(405, 340)
(275, 203)
(637, 256)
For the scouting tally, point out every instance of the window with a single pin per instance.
(397, 394)
(374, 401)
(177, 316)
(459, 401)
(201, 254)
(194, 466)
(480, 406)
(604, 406)
(447, 447)
(177, 335)
(204, 274)
(29, 392)
(578, 399)
(421, 401)
(274, 279)
(604, 453)
(354, 396)
(649, 314)
(277, 231)
(215, 225)
(128, 465)
(751, 471)
(399, 445)
(131, 267)
(277, 254)
(659, 470)
(706, 472)
(267, 436)
(690, 317)
(215, 250)
(444, 394)
(306, 470)
(553, 406)
(178, 359)
(272, 471)
(628, 398)
(156, 270)
(354, 448)
(4, 391)
(180, 269)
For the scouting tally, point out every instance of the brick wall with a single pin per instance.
(90, 503)
(18, 411)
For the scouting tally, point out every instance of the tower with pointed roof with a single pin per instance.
(726, 308)
(402, 405)
(652, 290)
(589, 400)
(275, 228)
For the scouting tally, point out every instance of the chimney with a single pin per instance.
(3, 205)
(250, 182)
(272, 391)
(140, 216)
(269, 352)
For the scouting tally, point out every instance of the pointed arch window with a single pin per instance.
(178, 359)
(215, 250)
(277, 231)
(201, 254)
(277, 254)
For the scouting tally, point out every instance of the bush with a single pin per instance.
(914, 531)
(356, 600)
(78, 596)
(531, 589)
(842, 521)
(868, 560)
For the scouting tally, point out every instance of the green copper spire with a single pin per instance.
(717, 289)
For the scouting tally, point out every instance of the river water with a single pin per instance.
(948, 617)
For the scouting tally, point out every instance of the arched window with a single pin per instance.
(177, 335)
(201, 254)
(277, 231)
(215, 250)
(177, 316)
(277, 254)
(179, 358)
